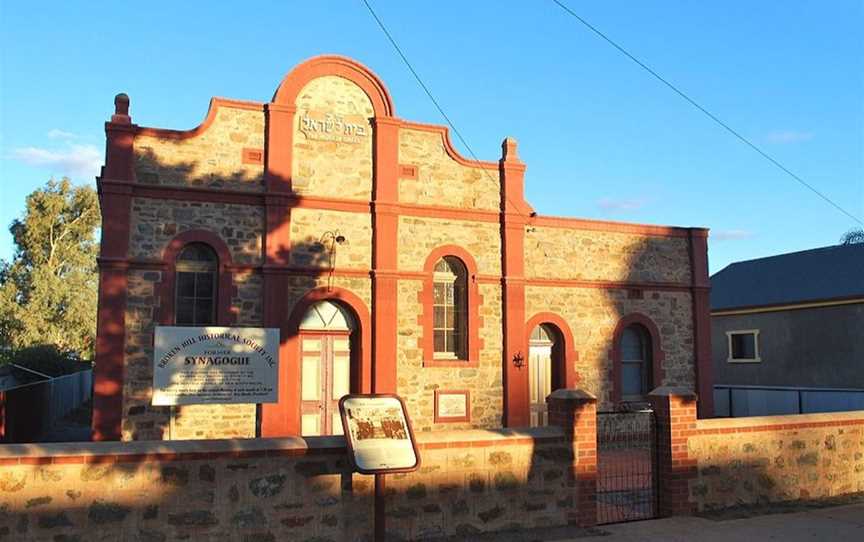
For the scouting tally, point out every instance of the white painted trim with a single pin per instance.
(755, 333)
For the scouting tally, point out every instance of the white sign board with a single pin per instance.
(211, 365)
(379, 434)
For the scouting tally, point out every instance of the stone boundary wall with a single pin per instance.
(283, 489)
(720, 463)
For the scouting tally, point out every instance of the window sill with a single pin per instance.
(450, 363)
(743, 360)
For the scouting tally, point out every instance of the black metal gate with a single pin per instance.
(626, 466)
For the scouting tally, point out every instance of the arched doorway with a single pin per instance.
(325, 366)
(545, 363)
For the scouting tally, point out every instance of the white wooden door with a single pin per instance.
(325, 377)
(540, 382)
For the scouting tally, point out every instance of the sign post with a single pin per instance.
(380, 441)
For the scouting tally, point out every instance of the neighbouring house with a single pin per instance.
(389, 263)
(792, 320)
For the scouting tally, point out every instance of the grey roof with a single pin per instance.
(823, 273)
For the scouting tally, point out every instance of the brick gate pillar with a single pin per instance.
(576, 412)
(675, 412)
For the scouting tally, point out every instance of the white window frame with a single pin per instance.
(755, 333)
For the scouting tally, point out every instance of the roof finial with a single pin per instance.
(121, 109)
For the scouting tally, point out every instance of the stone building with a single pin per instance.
(389, 263)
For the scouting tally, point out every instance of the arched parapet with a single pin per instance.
(319, 66)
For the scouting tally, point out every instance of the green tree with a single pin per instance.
(853, 236)
(48, 292)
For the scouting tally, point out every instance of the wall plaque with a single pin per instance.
(211, 365)
(379, 434)
(322, 126)
(452, 406)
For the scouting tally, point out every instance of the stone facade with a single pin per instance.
(331, 150)
(155, 222)
(441, 180)
(572, 253)
(593, 313)
(213, 158)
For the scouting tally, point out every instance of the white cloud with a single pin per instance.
(56, 133)
(622, 205)
(731, 235)
(785, 137)
(73, 160)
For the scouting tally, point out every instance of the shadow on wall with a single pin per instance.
(241, 301)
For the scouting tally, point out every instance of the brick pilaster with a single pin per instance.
(675, 411)
(576, 412)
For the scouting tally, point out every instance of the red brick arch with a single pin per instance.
(340, 66)
(657, 355)
(283, 418)
(568, 376)
(225, 289)
(474, 302)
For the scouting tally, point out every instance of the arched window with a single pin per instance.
(450, 309)
(196, 281)
(636, 363)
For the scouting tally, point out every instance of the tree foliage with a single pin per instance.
(853, 236)
(48, 292)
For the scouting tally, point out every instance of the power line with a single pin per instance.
(710, 115)
(428, 92)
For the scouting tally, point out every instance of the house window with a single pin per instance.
(635, 362)
(743, 346)
(195, 301)
(450, 309)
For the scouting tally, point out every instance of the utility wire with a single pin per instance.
(428, 92)
(705, 111)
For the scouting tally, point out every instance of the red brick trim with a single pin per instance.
(283, 418)
(254, 157)
(703, 364)
(615, 227)
(657, 354)
(568, 374)
(474, 301)
(408, 172)
(454, 419)
(215, 104)
(226, 289)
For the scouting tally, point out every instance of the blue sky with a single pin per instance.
(601, 138)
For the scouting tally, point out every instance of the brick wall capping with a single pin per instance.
(765, 422)
(476, 437)
(166, 447)
(612, 226)
(215, 104)
(673, 391)
(572, 395)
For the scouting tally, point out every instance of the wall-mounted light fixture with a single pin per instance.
(518, 360)
(330, 240)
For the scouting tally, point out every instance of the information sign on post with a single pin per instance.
(379, 433)
(380, 441)
(215, 365)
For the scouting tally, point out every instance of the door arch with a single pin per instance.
(545, 370)
(325, 366)
(282, 419)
